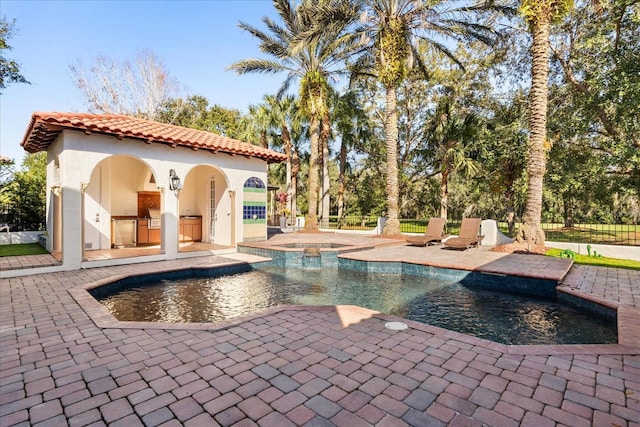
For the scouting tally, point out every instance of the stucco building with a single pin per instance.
(116, 181)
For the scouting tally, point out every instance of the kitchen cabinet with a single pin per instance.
(154, 236)
(147, 235)
(190, 228)
(143, 232)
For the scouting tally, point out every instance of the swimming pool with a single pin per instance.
(504, 318)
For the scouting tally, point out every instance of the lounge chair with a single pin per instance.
(433, 234)
(469, 235)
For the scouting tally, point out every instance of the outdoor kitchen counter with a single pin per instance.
(190, 228)
(147, 235)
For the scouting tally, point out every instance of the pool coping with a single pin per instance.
(628, 319)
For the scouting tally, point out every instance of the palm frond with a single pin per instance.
(254, 65)
(443, 49)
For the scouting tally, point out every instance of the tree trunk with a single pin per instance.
(263, 139)
(341, 174)
(531, 231)
(295, 170)
(509, 195)
(444, 194)
(325, 202)
(311, 222)
(392, 225)
(567, 203)
(286, 141)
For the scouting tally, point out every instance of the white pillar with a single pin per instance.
(492, 234)
(170, 218)
(72, 223)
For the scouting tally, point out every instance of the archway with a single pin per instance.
(205, 208)
(116, 202)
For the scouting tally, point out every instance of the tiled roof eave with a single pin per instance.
(43, 130)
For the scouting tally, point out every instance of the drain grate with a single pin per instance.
(396, 326)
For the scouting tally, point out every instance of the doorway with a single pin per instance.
(213, 216)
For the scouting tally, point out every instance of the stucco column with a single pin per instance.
(72, 227)
(232, 196)
(170, 216)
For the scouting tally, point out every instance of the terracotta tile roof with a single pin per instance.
(45, 128)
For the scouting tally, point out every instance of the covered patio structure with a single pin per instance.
(119, 182)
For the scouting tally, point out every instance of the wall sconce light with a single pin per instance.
(174, 181)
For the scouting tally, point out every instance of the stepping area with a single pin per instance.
(65, 363)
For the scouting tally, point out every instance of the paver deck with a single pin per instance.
(27, 261)
(303, 365)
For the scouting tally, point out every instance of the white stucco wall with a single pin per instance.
(54, 223)
(112, 184)
(609, 251)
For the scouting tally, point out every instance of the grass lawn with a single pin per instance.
(602, 262)
(22, 249)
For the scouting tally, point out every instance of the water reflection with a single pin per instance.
(509, 319)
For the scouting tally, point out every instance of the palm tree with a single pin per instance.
(352, 125)
(285, 119)
(257, 124)
(539, 15)
(451, 139)
(310, 62)
(325, 184)
(390, 32)
(273, 122)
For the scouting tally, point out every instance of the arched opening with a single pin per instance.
(121, 206)
(205, 209)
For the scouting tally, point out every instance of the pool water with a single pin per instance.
(504, 318)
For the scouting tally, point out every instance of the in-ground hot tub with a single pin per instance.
(301, 254)
(311, 245)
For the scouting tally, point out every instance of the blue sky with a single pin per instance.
(196, 41)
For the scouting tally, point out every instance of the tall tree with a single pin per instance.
(392, 30)
(539, 15)
(451, 140)
(6, 176)
(352, 126)
(9, 69)
(596, 85)
(26, 193)
(286, 115)
(278, 120)
(596, 51)
(139, 89)
(195, 112)
(505, 156)
(324, 203)
(312, 63)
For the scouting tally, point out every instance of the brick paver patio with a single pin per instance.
(301, 366)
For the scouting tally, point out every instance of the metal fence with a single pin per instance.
(353, 222)
(608, 234)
